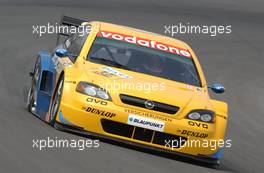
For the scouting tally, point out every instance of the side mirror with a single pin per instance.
(217, 88)
(61, 52)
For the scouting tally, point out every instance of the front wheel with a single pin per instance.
(55, 104)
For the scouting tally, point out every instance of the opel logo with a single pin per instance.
(149, 104)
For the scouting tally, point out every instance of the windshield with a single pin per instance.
(144, 60)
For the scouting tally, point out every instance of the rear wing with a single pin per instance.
(66, 23)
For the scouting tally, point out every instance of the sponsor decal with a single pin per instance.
(55, 60)
(198, 124)
(99, 112)
(145, 123)
(148, 115)
(193, 133)
(116, 72)
(145, 42)
(60, 63)
(97, 101)
(190, 87)
(65, 61)
(103, 73)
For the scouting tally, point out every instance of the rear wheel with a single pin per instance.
(31, 101)
(55, 104)
(31, 97)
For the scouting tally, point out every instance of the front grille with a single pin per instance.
(139, 102)
(141, 134)
(116, 128)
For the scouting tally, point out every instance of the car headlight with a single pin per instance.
(206, 117)
(194, 116)
(201, 115)
(103, 95)
(93, 90)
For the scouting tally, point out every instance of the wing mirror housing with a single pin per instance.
(61, 53)
(217, 88)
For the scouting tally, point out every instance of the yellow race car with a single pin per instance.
(131, 86)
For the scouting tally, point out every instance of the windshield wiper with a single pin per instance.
(109, 62)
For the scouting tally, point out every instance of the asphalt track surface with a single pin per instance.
(236, 60)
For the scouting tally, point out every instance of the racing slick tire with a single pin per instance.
(55, 102)
(31, 102)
